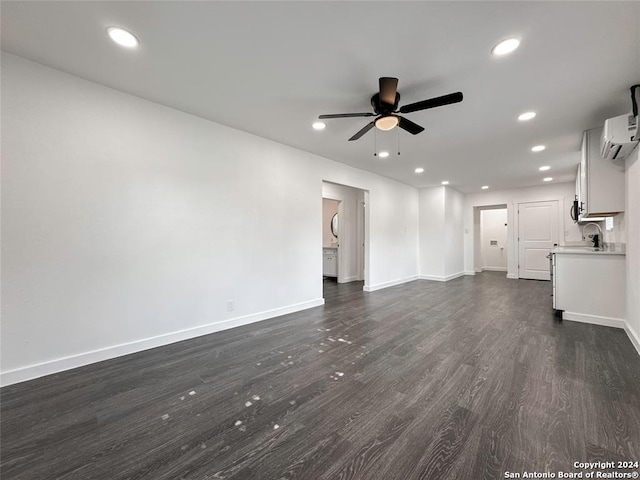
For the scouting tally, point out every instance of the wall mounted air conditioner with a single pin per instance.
(619, 137)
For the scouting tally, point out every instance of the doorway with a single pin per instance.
(330, 230)
(491, 246)
(344, 234)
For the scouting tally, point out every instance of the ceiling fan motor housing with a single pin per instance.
(382, 108)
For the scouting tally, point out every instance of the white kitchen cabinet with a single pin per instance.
(330, 262)
(601, 181)
(590, 286)
(581, 180)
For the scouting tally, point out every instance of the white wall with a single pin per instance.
(329, 209)
(617, 235)
(454, 238)
(493, 226)
(127, 224)
(632, 216)
(563, 192)
(441, 239)
(432, 216)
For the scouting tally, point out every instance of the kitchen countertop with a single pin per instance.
(588, 251)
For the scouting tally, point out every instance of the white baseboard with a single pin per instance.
(67, 363)
(438, 278)
(512, 276)
(606, 322)
(393, 283)
(453, 275)
(435, 278)
(494, 269)
(594, 319)
(633, 336)
(469, 272)
(350, 279)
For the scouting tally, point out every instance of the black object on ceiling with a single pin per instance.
(385, 108)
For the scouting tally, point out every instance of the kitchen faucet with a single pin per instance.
(596, 239)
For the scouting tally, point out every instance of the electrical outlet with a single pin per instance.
(230, 306)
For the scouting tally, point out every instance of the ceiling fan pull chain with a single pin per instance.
(375, 144)
(398, 140)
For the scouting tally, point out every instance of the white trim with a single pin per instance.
(438, 278)
(606, 322)
(360, 234)
(393, 283)
(633, 336)
(512, 276)
(453, 275)
(67, 363)
(494, 269)
(350, 279)
(342, 245)
(594, 319)
(469, 272)
(434, 278)
(476, 231)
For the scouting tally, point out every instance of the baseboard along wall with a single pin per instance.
(58, 365)
(393, 283)
(605, 322)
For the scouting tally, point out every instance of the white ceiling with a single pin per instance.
(270, 68)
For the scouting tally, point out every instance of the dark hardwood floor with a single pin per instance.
(466, 379)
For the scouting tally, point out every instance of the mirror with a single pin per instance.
(334, 225)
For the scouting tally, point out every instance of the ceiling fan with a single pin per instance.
(385, 108)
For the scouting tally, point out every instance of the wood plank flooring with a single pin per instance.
(466, 379)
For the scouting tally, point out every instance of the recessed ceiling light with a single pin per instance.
(319, 125)
(523, 117)
(123, 37)
(538, 148)
(545, 168)
(383, 154)
(547, 179)
(419, 170)
(484, 187)
(506, 46)
(445, 182)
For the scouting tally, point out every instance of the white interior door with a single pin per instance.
(537, 232)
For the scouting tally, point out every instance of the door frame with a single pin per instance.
(362, 233)
(477, 234)
(516, 230)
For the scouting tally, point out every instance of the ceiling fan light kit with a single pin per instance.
(385, 108)
(387, 123)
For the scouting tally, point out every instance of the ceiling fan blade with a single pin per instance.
(388, 89)
(409, 126)
(347, 115)
(364, 130)
(432, 103)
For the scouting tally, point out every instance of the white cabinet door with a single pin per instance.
(537, 233)
(329, 265)
(591, 287)
(583, 176)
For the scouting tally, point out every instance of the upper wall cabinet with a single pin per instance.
(601, 180)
